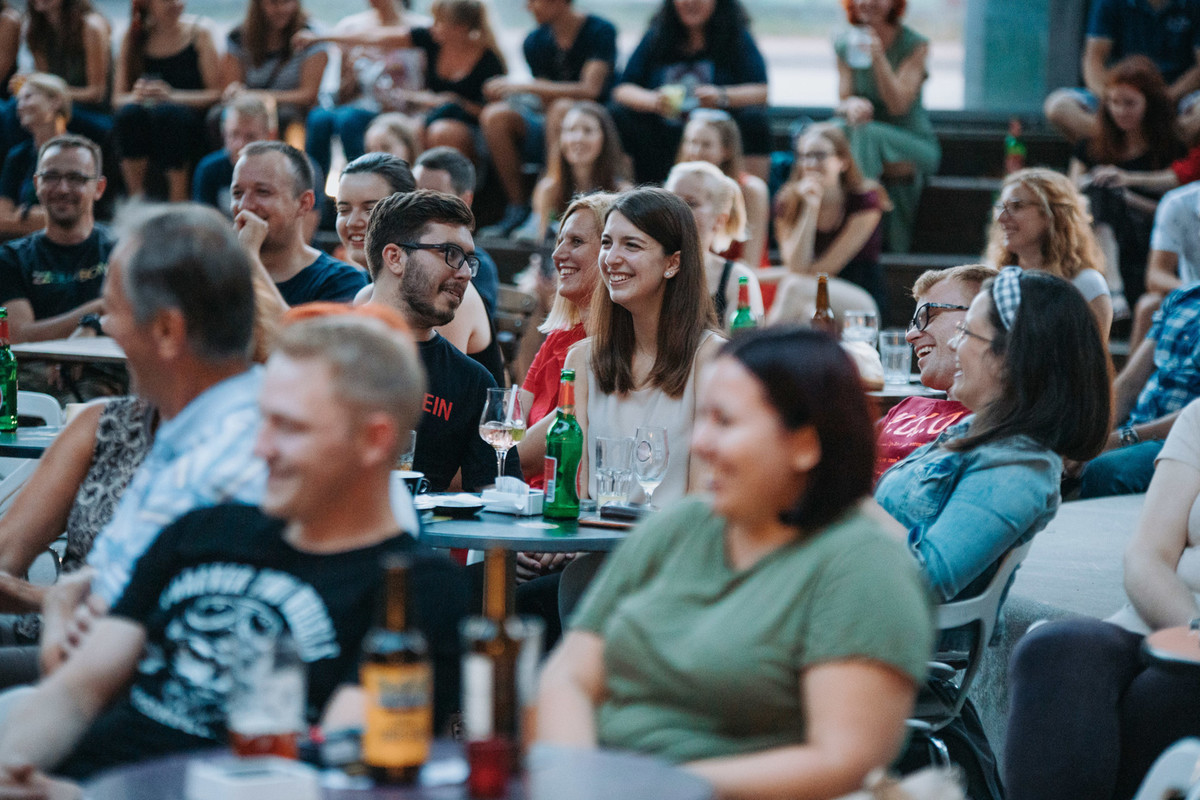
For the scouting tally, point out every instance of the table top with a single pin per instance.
(27, 442)
(554, 773)
(527, 534)
(914, 388)
(85, 349)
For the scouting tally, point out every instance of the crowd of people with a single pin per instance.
(768, 629)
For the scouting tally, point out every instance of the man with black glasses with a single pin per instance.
(50, 280)
(421, 257)
(942, 299)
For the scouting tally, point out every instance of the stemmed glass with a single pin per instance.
(503, 423)
(650, 459)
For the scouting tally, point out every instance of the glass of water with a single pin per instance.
(614, 470)
(860, 326)
(896, 355)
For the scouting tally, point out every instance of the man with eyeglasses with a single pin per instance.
(942, 297)
(421, 257)
(272, 192)
(50, 280)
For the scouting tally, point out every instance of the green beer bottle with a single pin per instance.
(744, 318)
(8, 378)
(564, 449)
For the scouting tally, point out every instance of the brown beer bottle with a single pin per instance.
(398, 681)
(823, 319)
(491, 705)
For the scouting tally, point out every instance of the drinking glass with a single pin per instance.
(650, 459)
(267, 695)
(860, 326)
(614, 469)
(503, 423)
(896, 354)
(408, 450)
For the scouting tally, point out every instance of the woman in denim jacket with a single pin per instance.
(1032, 368)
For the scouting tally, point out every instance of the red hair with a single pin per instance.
(898, 9)
(384, 314)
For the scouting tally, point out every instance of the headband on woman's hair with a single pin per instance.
(1006, 294)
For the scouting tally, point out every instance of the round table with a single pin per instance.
(553, 773)
(526, 534)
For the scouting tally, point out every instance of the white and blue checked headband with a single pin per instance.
(1006, 294)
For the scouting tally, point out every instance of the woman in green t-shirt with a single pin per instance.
(772, 637)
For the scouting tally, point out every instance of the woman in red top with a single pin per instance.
(576, 259)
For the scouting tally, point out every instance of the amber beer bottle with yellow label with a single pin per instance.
(398, 681)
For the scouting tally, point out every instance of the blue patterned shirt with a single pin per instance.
(1176, 378)
(201, 457)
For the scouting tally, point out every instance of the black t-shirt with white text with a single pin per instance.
(227, 568)
(54, 278)
(448, 436)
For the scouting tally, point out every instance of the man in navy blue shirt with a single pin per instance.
(272, 182)
(1165, 31)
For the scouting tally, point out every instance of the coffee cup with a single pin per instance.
(416, 482)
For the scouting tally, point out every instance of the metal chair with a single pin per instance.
(514, 309)
(1175, 774)
(955, 672)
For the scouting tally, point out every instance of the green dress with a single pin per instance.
(890, 139)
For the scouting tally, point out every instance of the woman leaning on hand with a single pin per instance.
(771, 638)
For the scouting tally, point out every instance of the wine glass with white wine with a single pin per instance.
(503, 423)
(650, 459)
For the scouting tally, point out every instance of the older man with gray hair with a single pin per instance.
(337, 396)
(179, 300)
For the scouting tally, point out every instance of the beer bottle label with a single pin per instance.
(550, 474)
(479, 676)
(399, 714)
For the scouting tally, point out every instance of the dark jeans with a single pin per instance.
(1087, 716)
(348, 122)
(1126, 470)
(652, 141)
(170, 135)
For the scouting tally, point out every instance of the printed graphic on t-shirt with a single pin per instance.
(184, 680)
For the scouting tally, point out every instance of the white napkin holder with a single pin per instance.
(511, 496)
(261, 778)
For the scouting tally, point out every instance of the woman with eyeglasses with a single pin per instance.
(827, 219)
(43, 107)
(1033, 370)
(1041, 222)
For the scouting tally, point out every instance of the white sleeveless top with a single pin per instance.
(616, 415)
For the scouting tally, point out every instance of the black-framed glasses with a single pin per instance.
(815, 156)
(924, 314)
(963, 330)
(455, 256)
(76, 180)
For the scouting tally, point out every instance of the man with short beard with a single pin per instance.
(421, 257)
(50, 280)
